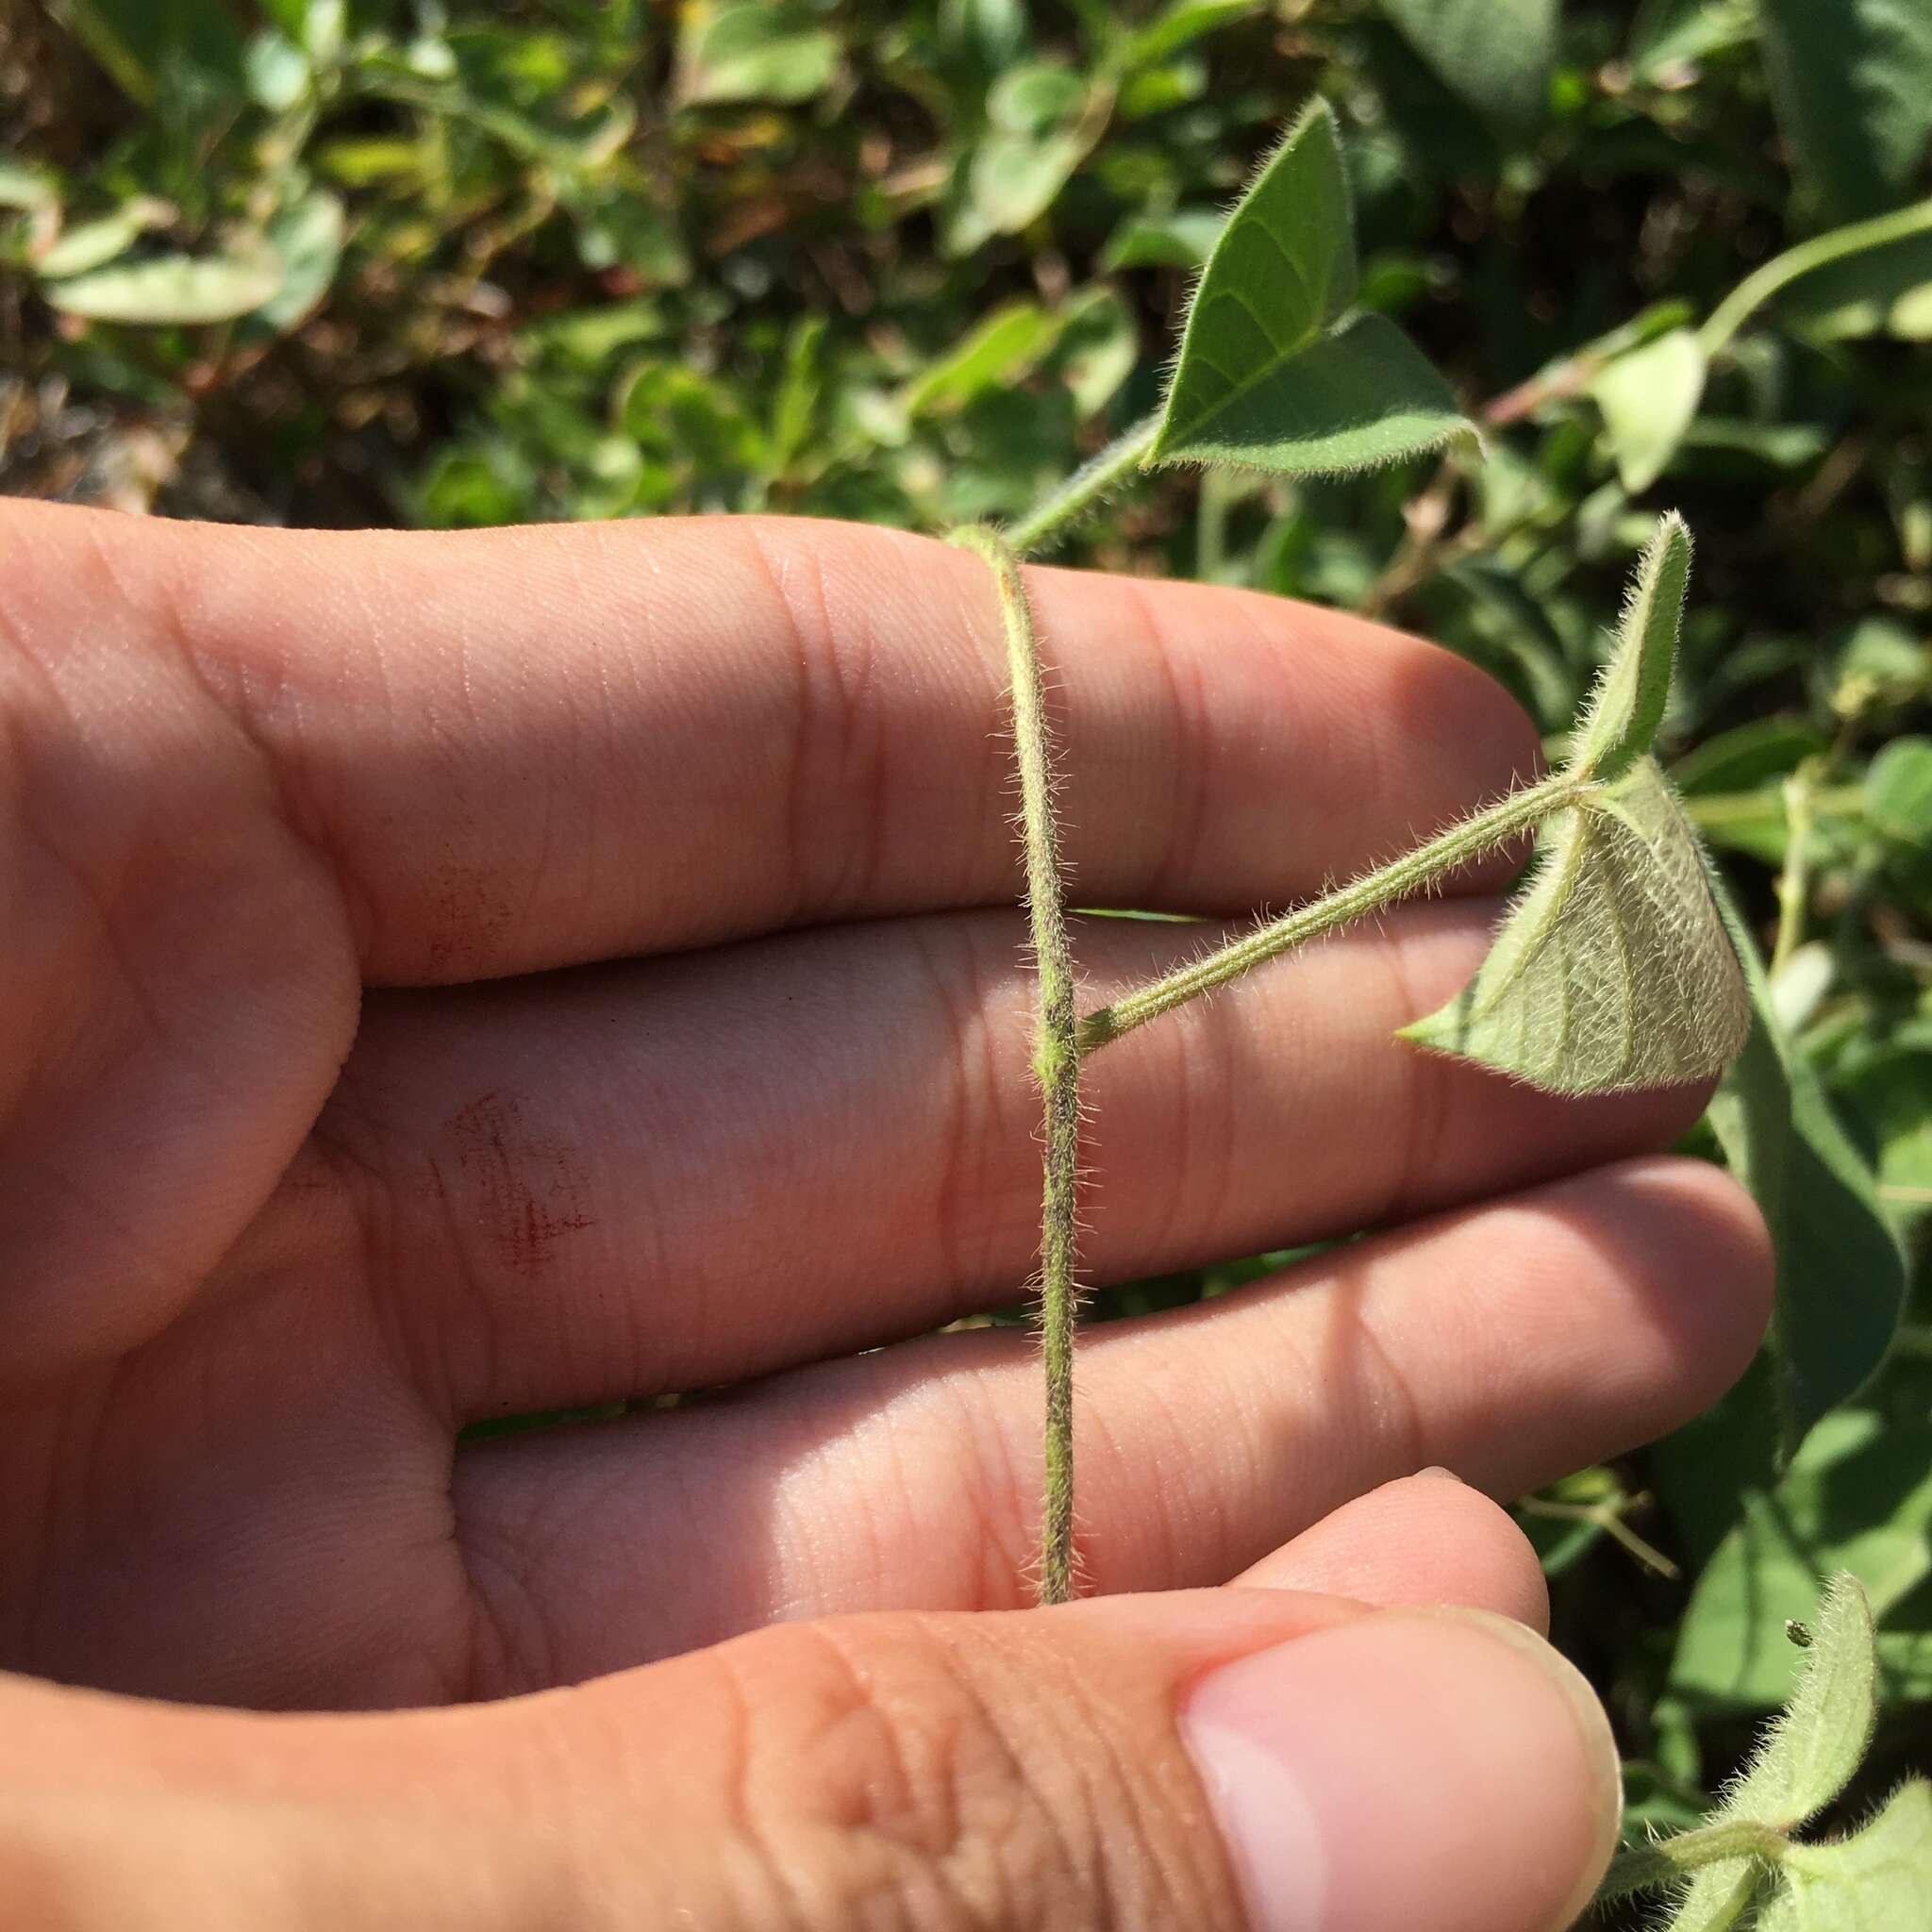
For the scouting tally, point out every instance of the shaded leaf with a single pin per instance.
(177, 290)
(1857, 1496)
(1180, 239)
(1612, 970)
(1649, 399)
(1877, 291)
(1498, 54)
(1840, 1274)
(1852, 83)
(1179, 24)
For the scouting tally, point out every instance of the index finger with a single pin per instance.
(528, 748)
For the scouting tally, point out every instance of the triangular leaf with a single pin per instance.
(1613, 970)
(1877, 1880)
(1817, 1741)
(1274, 370)
(1622, 720)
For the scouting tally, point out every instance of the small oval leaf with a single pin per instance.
(171, 289)
(1613, 970)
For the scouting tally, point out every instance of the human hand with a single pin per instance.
(457, 978)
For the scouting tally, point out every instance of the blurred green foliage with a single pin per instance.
(349, 261)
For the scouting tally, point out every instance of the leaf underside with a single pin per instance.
(1276, 371)
(1878, 1879)
(1613, 970)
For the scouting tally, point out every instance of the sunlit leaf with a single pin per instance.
(747, 50)
(1898, 790)
(1879, 1880)
(171, 289)
(307, 240)
(1612, 971)
(89, 245)
(1813, 1747)
(1002, 348)
(1496, 54)
(1649, 399)
(1275, 370)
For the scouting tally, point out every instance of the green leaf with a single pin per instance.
(1853, 84)
(1840, 1274)
(1274, 372)
(1181, 239)
(1178, 26)
(1649, 399)
(146, 44)
(1898, 790)
(93, 244)
(1857, 1496)
(747, 50)
(171, 289)
(1813, 1748)
(1879, 1880)
(1620, 720)
(1612, 970)
(1878, 290)
(1000, 350)
(1498, 54)
(1718, 1897)
(306, 236)
(1012, 178)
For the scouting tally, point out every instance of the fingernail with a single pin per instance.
(1417, 1767)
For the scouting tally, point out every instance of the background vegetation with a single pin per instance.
(353, 262)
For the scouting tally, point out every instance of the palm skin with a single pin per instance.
(454, 979)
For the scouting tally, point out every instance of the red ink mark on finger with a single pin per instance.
(528, 1190)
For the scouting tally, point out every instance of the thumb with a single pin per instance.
(1255, 1761)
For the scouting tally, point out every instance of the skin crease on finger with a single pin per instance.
(239, 758)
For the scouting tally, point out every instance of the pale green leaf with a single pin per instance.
(1649, 399)
(748, 50)
(1879, 1880)
(1841, 1273)
(1496, 54)
(1877, 291)
(1178, 26)
(1012, 178)
(1613, 970)
(307, 239)
(1853, 84)
(89, 245)
(1814, 1747)
(1620, 720)
(1180, 239)
(1857, 1496)
(1898, 790)
(171, 289)
(1717, 1897)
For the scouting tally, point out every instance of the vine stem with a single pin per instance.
(1055, 1057)
(1050, 517)
(1758, 288)
(1467, 838)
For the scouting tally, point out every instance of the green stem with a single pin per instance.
(1667, 1860)
(1758, 288)
(1056, 1060)
(1468, 840)
(1050, 517)
(1794, 880)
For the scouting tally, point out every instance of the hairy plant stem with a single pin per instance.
(1056, 1059)
(1469, 839)
(1053, 514)
(1670, 1860)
